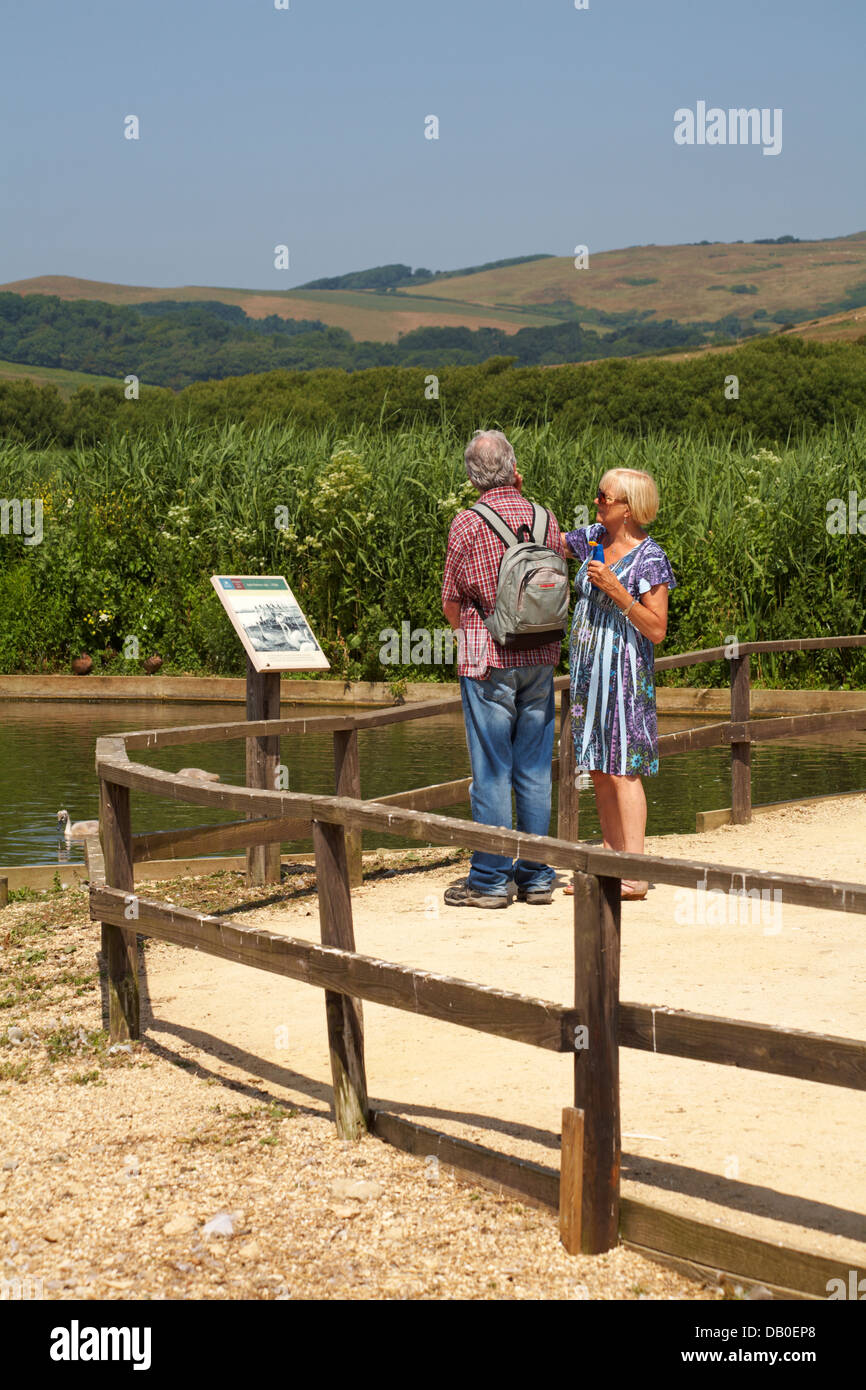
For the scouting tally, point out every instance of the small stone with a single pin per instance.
(10, 1164)
(179, 1226)
(223, 1224)
(249, 1250)
(343, 1210)
(52, 1234)
(359, 1188)
(131, 1165)
(396, 1230)
(119, 1047)
(15, 1035)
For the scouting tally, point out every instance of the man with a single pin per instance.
(508, 697)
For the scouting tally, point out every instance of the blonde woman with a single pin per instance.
(620, 615)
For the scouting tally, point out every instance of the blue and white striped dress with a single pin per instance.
(613, 702)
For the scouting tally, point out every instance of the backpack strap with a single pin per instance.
(538, 531)
(540, 524)
(496, 523)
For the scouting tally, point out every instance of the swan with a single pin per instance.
(76, 830)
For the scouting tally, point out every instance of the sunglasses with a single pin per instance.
(602, 496)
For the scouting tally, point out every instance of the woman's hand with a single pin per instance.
(602, 577)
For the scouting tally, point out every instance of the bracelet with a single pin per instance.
(625, 611)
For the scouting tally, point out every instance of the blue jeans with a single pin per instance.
(510, 720)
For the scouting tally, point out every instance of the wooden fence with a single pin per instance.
(592, 1028)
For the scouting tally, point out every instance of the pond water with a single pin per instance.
(47, 762)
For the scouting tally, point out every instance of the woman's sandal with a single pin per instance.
(633, 890)
(628, 893)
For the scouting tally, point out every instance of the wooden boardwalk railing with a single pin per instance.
(263, 734)
(593, 1028)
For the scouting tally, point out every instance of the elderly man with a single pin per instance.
(508, 698)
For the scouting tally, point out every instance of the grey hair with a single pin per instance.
(489, 460)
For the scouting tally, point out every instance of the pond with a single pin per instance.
(47, 763)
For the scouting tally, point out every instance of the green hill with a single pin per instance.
(539, 309)
(792, 282)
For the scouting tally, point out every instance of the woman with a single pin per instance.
(621, 613)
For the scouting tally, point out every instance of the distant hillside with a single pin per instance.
(780, 282)
(395, 277)
(539, 310)
(786, 282)
(173, 343)
(364, 314)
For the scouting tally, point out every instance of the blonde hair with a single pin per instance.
(638, 490)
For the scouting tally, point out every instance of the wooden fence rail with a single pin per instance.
(592, 1030)
(263, 735)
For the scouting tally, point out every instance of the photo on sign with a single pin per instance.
(269, 622)
(277, 625)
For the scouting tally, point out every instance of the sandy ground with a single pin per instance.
(112, 1164)
(172, 1169)
(769, 1156)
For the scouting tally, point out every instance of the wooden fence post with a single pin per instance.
(119, 944)
(571, 1180)
(741, 753)
(263, 760)
(596, 1062)
(343, 1013)
(347, 782)
(568, 815)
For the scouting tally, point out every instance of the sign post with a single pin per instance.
(263, 762)
(276, 637)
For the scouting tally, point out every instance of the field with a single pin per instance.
(65, 381)
(685, 283)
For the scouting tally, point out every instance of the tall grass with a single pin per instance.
(134, 527)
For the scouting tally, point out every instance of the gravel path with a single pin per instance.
(113, 1164)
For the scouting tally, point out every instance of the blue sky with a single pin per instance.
(306, 127)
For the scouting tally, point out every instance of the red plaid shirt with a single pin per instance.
(471, 569)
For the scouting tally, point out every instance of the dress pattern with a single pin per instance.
(612, 665)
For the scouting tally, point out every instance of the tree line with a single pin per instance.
(175, 343)
(771, 388)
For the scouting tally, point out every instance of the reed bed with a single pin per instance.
(358, 522)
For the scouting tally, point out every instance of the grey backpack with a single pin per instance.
(532, 588)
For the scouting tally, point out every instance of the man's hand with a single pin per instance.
(451, 609)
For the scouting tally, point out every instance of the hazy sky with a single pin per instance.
(306, 127)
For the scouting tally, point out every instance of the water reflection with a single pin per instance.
(47, 762)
